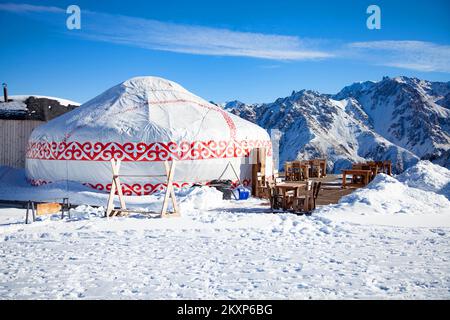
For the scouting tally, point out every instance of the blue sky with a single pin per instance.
(254, 51)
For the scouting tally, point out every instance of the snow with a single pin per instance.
(388, 240)
(427, 176)
(387, 201)
(13, 106)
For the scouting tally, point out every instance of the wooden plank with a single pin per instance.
(169, 190)
(116, 169)
(112, 192)
(172, 191)
(136, 211)
(15, 135)
(48, 208)
(262, 160)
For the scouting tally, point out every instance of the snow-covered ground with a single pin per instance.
(389, 240)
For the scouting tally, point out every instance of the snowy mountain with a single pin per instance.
(399, 119)
(409, 112)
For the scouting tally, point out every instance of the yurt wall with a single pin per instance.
(14, 136)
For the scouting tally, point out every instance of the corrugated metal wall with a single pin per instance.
(14, 136)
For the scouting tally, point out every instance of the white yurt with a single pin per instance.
(145, 121)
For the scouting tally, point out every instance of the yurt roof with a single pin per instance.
(145, 109)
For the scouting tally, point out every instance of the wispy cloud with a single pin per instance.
(28, 8)
(201, 40)
(269, 66)
(152, 34)
(414, 55)
(182, 38)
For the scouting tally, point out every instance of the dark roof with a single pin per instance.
(43, 109)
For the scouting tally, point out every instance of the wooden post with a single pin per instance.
(170, 193)
(344, 178)
(30, 205)
(258, 166)
(307, 195)
(116, 185)
(110, 206)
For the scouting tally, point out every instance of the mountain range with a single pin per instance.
(400, 119)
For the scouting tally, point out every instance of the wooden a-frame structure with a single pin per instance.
(116, 186)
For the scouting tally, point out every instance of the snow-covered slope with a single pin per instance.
(428, 177)
(398, 119)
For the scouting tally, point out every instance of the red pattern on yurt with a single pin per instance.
(138, 189)
(155, 151)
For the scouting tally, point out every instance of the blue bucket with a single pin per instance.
(244, 193)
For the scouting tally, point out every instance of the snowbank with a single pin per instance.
(199, 198)
(427, 176)
(388, 201)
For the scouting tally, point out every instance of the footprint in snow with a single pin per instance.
(438, 231)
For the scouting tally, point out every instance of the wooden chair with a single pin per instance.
(305, 167)
(288, 171)
(297, 172)
(301, 201)
(387, 167)
(357, 179)
(261, 188)
(316, 189)
(276, 199)
(315, 169)
(323, 163)
(374, 170)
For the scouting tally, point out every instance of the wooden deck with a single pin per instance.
(331, 191)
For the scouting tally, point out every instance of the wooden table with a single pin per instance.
(296, 171)
(285, 187)
(365, 174)
(375, 166)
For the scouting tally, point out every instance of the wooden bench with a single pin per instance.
(364, 175)
(44, 207)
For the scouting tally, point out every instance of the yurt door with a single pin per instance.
(258, 168)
